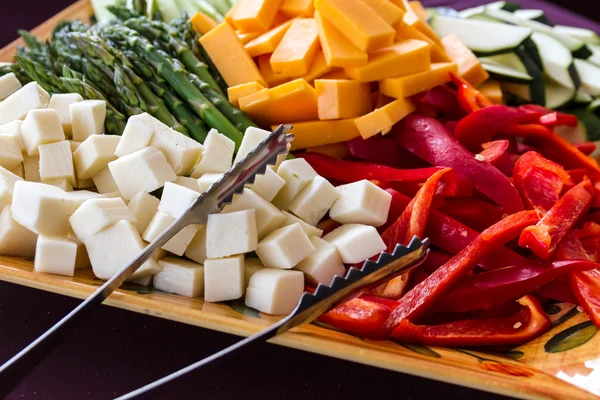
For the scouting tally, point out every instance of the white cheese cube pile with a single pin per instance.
(142, 182)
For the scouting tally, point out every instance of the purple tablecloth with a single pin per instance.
(117, 351)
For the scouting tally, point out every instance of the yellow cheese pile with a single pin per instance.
(336, 69)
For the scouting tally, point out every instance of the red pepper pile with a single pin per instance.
(512, 211)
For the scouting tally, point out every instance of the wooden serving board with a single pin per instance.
(565, 348)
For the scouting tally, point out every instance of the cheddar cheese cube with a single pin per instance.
(404, 31)
(492, 90)
(318, 68)
(409, 85)
(267, 42)
(402, 58)
(297, 49)
(255, 15)
(338, 99)
(382, 119)
(202, 23)
(271, 78)
(235, 92)
(318, 133)
(228, 54)
(246, 37)
(387, 10)
(469, 67)
(357, 22)
(338, 51)
(297, 8)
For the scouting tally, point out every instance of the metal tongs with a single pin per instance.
(309, 308)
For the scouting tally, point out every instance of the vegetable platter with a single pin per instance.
(160, 102)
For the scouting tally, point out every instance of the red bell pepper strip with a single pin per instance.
(569, 156)
(527, 323)
(423, 296)
(352, 171)
(586, 148)
(474, 213)
(359, 315)
(492, 288)
(543, 238)
(441, 101)
(381, 150)
(469, 98)
(430, 140)
(540, 181)
(586, 287)
(545, 116)
(559, 290)
(482, 125)
(496, 153)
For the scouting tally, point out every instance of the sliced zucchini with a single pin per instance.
(485, 17)
(504, 5)
(594, 59)
(482, 37)
(590, 76)
(444, 11)
(511, 60)
(537, 86)
(585, 35)
(591, 122)
(469, 12)
(533, 51)
(582, 97)
(505, 73)
(557, 60)
(558, 96)
(534, 15)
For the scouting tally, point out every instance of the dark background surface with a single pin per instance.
(117, 351)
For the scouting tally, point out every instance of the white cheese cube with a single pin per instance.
(43, 209)
(9, 84)
(143, 171)
(252, 138)
(56, 162)
(75, 145)
(297, 174)
(355, 242)
(41, 127)
(15, 240)
(268, 217)
(31, 165)
(136, 136)
(14, 129)
(176, 199)
(251, 266)
(187, 182)
(207, 180)
(7, 185)
(314, 200)
(95, 215)
(224, 279)
(87, 118)
(63, 183)
(274, 291)
(361, 202)
(284, 248)
(267, 185)
(17, 105)
(94, 154)
(81, 196)
(182, 152)
(19, 171)
(310, 230)
(61, 103)
(113, 248)
(181, 277)
(217, 155)
(197, 249)
(322, 264)
(229, 234)
(104, 182)
(143, 206)
(178, 243)
(10, 152)
(55, 255)
(84, 183)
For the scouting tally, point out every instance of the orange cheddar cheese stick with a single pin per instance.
(409, 85)
(297, 49)
(339, 51)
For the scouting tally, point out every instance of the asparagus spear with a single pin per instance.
(15, 69)
(178, 80)
(237, 117)
(30, 40)
(114, 122)
(161, 32)
(208, 9)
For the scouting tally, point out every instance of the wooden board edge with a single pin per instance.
(82, 10)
